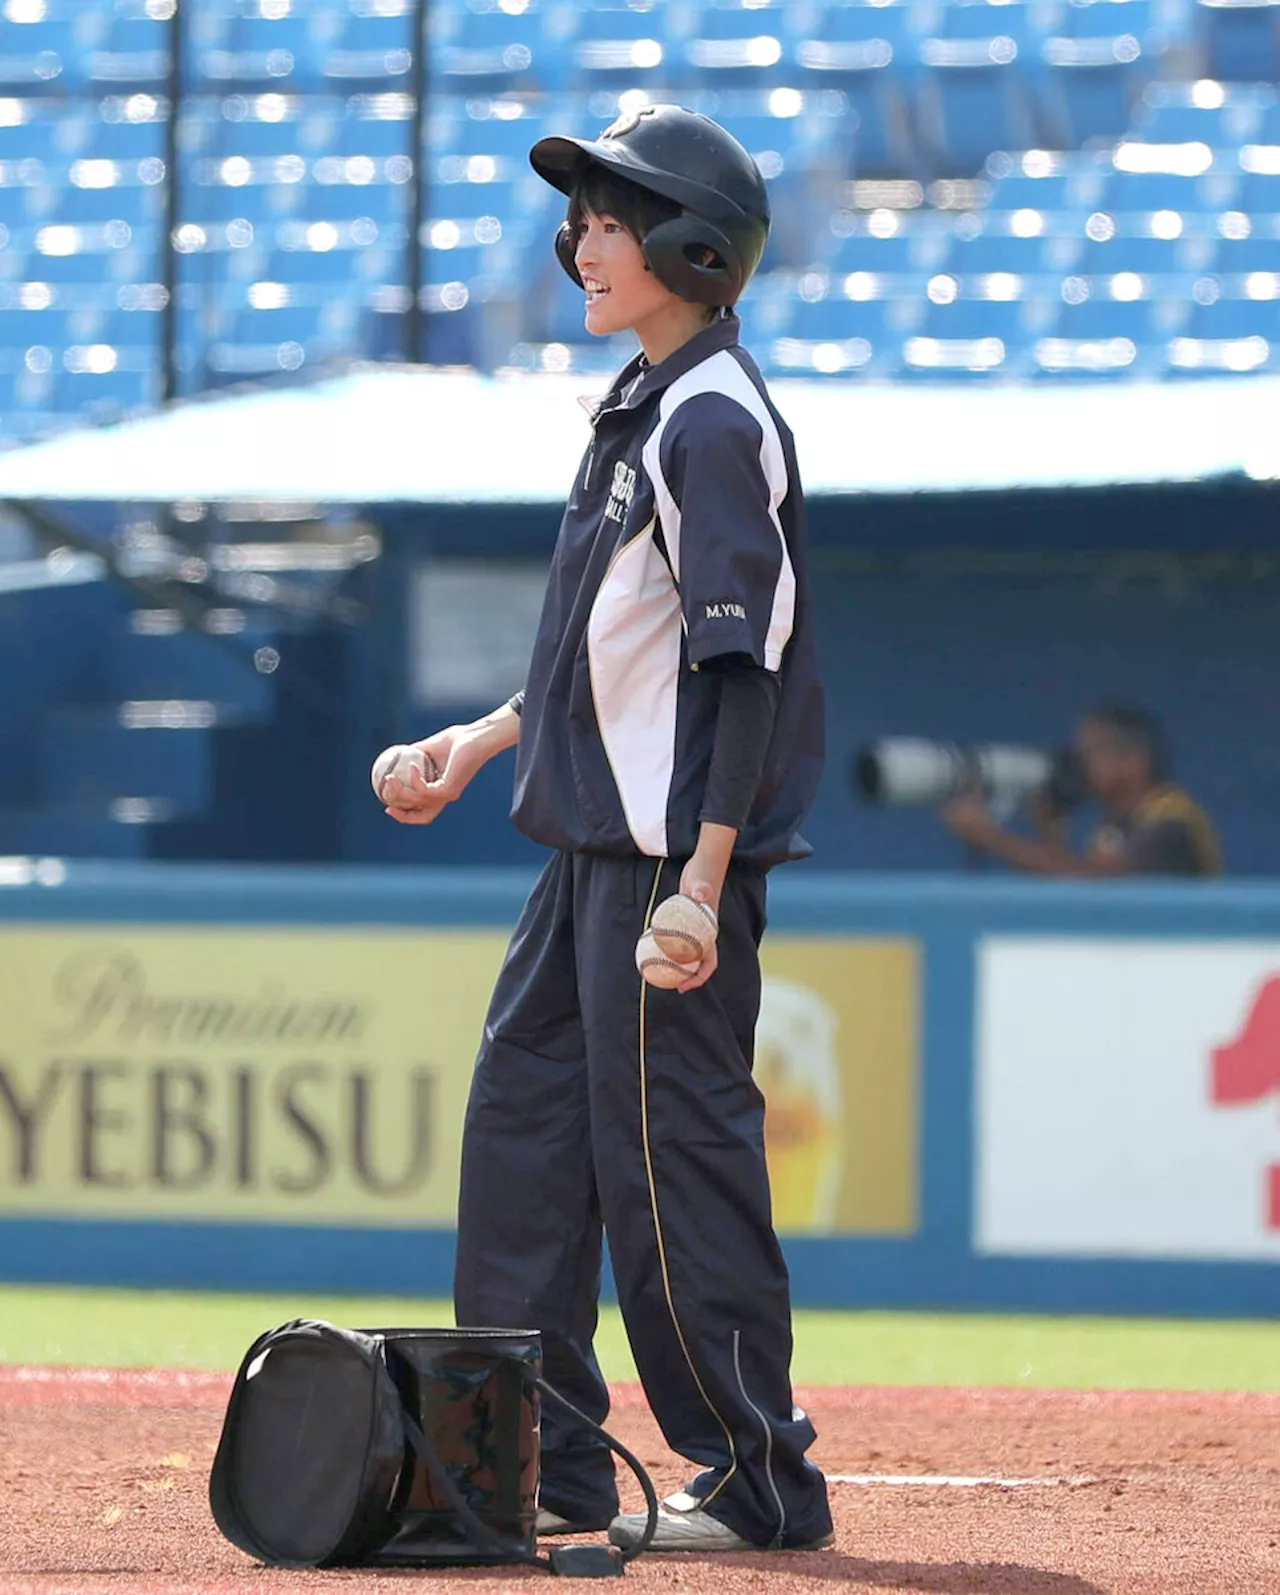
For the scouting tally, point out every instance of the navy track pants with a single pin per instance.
(602, 1104)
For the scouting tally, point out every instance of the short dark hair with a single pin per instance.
(604, 193)
(1136, 729)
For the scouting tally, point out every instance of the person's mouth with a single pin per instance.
(596, 290)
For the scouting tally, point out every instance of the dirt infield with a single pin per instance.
(1014, 1492)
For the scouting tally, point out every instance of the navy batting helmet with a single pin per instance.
(708, 253)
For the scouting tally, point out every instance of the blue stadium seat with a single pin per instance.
(1013, 322)
(1206, 113)
(365, 46)
(1103, 317)
(489, 47)
(1260, 193)
(739, 43)
(1146, 256)
(1245, 255)
(48, 48)
(1137, 192)
(972, 100)
(132, 53)
(505, 127)
(890, 242)
(1096, 64)
(104, 397)
(996, 251)
(837, 336)
(620, 45)
(1236, 318)
(297, 172)
(1240, 39)
(865, 53)
(1048, 180)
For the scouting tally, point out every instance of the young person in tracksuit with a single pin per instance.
(669, 737)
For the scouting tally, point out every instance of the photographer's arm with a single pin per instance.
(973, 823)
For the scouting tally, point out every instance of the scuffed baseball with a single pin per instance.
(684, 929)
(658, 968)
(398, 761)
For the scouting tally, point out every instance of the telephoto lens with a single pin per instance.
(914, 771)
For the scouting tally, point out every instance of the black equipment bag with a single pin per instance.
(391, 1447)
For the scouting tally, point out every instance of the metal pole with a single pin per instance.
(168, 251)
(413, 322)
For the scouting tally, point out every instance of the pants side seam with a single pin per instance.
(657, 1222)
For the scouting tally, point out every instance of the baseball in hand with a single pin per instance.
(685, 930)
(659, 968)
(398, 761)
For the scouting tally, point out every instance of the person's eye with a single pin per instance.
(613, 227)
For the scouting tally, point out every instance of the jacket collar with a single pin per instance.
(638, 381)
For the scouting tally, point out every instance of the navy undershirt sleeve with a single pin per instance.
(744, 729)
(517, 702)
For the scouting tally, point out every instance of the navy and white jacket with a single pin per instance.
(682, 541)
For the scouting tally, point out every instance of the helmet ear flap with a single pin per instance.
(672, 249)
(566, 249)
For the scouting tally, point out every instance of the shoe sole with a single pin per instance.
(707, 1547)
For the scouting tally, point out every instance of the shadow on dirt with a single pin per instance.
(928, 1578)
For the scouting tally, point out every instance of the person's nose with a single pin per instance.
(586, 253)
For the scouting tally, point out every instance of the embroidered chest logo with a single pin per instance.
(621, 492)
(726, 612)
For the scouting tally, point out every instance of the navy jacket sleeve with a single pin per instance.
(722, 476)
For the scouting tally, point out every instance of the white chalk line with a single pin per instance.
(957, 1481)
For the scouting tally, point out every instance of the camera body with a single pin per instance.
(914, 771)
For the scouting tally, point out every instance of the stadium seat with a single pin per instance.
(971, 101)
(1219, 115)
(995, 250)
(1244, 256)
(621, 45)
(492, 47)
(739, 43)
(838, 336)
(1240, 39)
(864, 53)
(1095, 65)
(297, 183)
(888, 242)
(503, 127)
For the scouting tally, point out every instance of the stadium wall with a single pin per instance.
(968, 617)
(983, 1094)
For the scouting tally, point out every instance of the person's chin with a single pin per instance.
(601, 320)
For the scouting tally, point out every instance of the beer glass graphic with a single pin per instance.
(798, 1069)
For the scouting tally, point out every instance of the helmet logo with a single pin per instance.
(627, 121)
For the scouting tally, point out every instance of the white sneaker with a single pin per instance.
(552, 1523)
(689, 1529)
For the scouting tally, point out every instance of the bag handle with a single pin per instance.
(486, 1541)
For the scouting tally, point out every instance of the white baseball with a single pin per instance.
(398, 761)
(684, 929)
(659, 969)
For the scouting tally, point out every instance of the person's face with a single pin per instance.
(622, 292)
(1112, 771)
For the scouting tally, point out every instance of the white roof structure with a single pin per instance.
(400, 434)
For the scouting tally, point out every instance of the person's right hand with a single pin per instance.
(456, 754)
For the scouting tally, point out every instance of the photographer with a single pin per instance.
(1151, 826)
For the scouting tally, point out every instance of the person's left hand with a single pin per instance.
(969, 819)
(704, 882)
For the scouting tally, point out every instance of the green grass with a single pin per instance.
(187, 1330)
